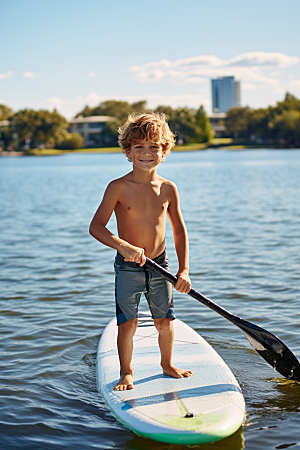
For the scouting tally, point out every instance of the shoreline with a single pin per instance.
(222, 144)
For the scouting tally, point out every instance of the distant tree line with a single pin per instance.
(32, 129)
(278, 125)
(27, 129)
(189, 125)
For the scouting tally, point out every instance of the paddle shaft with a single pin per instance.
(193, 293)
(267, 345)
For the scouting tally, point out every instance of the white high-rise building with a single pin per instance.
(226, 94)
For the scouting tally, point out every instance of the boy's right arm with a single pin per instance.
(99, 231)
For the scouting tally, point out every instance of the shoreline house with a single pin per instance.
(218, 123)
(90, 129)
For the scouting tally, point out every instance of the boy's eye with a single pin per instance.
(155, 146)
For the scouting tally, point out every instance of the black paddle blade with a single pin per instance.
(270, 347)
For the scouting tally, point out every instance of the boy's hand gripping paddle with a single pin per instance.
(270, 347)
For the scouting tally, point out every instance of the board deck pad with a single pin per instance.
(203, 408)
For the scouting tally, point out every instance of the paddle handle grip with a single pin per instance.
(193, 293)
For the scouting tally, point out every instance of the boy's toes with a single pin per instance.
(123, 387)
(124, 383)
(187, 373)
(178, 375)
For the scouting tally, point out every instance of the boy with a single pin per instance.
(140, 201)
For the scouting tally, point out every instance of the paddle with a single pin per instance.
(270, 347)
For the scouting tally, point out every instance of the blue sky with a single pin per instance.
(70, 53)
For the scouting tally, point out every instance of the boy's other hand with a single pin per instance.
(134, 254)
(183, 282)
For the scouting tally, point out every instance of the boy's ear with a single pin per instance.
(164, 155)
(128, 154)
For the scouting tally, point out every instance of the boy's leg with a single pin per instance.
(166, 340)
(126, 332)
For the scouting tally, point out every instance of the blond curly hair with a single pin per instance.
(150, 127)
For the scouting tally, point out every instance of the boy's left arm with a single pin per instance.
(181, 242)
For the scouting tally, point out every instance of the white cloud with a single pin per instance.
(68, 108)
(248, 87)
(176, 100)
(54, 102)
(28, 74)
(92, 74)
(4, 76)
(93, 99)
(294, 85)
(251, 68)
(263, 59)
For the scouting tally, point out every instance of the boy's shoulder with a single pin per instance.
(119, 181)
(167, 183)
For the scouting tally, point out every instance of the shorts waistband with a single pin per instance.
(163, 255)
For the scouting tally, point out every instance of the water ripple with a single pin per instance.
(242, 212)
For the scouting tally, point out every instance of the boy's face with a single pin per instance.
(146, 155)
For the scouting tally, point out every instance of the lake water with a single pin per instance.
(242, 211)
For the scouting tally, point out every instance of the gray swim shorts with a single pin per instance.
(132, 280)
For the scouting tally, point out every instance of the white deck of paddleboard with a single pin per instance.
(158, 404)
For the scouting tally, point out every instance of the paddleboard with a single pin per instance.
(203, 408)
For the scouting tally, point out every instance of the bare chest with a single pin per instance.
(149, 202)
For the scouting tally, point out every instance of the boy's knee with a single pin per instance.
(128, 326)
(163, 324)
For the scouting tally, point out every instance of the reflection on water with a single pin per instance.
(57, 291)
(284, 396)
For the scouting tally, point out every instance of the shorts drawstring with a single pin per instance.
(146, 279)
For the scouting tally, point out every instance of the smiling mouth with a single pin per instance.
(146, 160)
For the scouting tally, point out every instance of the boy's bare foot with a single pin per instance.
(173, 371)
(125, 382)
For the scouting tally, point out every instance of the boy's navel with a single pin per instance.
(128, 208)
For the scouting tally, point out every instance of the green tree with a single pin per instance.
(39, 127)
(287, 126)
(167, 110)
(139, 107)
(86, 112)
(290, 102)
(188, 124)
(259, 124)
(109, 133)
(114, 108)
(72, 141)
(6, 137)
(183, 122)
(5, 112)
(205, 129)
(237, 121)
